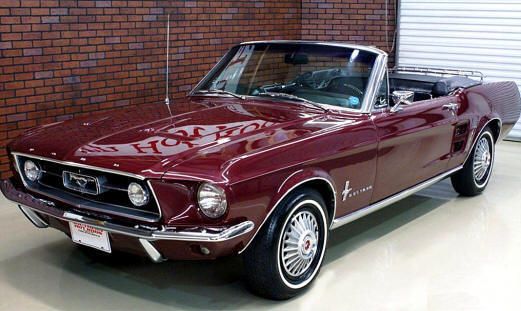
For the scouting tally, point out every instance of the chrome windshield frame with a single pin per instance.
(375, 78)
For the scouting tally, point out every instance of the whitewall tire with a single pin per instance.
(473, 178)
(286, 256)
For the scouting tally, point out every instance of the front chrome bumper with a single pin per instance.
(32, 206)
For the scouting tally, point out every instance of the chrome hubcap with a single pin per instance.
(482, 159)
(299, 244)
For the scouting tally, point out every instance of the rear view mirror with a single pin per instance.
(401, 97)
(296, 59)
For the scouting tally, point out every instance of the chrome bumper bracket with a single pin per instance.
(151, 251)
(33, 217)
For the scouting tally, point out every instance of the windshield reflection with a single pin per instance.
(304, 73)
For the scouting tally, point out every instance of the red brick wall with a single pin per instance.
(65, 58)
(369, 22)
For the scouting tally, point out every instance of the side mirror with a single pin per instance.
(401, 97)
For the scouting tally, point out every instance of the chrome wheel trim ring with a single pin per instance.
(299, 243)
(483, 159)
(324, 233)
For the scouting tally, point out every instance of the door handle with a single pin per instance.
(452, 107)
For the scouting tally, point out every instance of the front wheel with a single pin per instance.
(286, 255)
(473, 178)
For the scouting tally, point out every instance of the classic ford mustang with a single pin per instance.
(280, 143)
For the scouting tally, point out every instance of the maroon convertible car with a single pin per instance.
(280, 143)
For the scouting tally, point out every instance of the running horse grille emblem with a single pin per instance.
(81, 183)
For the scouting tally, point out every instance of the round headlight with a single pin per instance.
(137, 194)
(31, 170)
(212, 200)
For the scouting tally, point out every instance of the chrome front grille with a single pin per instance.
(104, 191)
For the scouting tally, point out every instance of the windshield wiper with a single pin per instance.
(293, 97)
(218, 91)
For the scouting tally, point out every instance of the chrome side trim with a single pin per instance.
(479, 133)
(390, 200)
(284, 196)
(33, 217)
(90, 167)
(151, 251)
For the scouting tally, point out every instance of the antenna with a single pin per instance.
(167, 100)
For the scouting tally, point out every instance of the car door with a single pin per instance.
(414, 144)
(353, 166)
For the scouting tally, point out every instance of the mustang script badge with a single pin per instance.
(348, 191)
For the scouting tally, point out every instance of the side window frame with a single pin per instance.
(378, 104)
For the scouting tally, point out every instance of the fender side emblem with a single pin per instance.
(349, 193)
(346, 191)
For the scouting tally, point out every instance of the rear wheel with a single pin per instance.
(286, 255)
(474, 177)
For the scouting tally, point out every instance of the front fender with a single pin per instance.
(271, 192)
(302, 177)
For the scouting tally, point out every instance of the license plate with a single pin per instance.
(90, 236)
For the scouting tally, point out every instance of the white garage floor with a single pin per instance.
(432, 251)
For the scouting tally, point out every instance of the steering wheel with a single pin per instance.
(355, 89)
(338, 85)
(306, 79)
(275, 87)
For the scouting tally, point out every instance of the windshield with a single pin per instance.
(310, 73)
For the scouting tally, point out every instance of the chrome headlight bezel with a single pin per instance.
(138, 194)
(212, 200)
(36, 173)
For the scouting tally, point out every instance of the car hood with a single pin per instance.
(150, 139)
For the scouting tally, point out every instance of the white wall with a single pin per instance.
(482, 35)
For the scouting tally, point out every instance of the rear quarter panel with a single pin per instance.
(503, 101)
(484, 104)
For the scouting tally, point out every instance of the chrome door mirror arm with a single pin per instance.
(399, 98)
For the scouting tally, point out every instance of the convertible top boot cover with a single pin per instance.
(447, 85)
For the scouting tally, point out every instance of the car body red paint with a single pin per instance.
(258, 150)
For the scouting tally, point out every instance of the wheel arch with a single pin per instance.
(313, 178)
(494, 123)
(495, 126)
(326, 190)
(317, 180)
